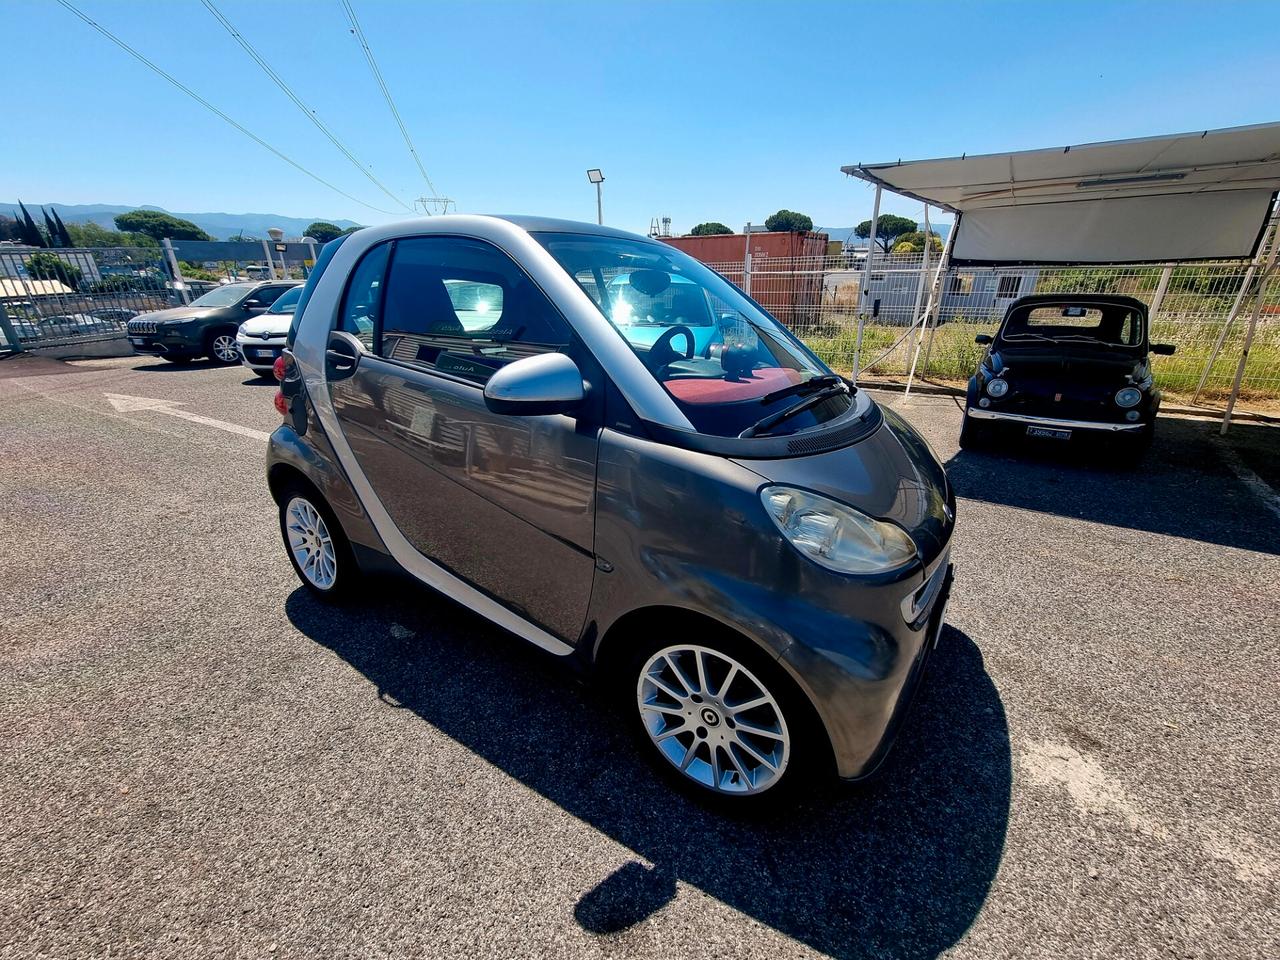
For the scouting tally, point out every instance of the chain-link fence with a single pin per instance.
(822, 300)
(57, 298)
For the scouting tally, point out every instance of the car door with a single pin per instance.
(504, 502)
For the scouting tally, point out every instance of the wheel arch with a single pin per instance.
(610, 655)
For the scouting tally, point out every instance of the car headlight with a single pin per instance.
(835, 535)
(240, 330)
(998, 388)
(1128, 397)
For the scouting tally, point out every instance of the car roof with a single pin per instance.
(552, 225)
(1104, 299)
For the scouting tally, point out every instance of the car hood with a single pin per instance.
(273, 323)
(892, 474)
(178, 313)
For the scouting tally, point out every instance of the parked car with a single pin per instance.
(750, 553)
(1062, 367)
(260, 339)
(75, 324)
(116, 315)
(206, 327)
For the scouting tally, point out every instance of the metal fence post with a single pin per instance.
(746, 260)
(866, 283)
(178, 280)
(1248, 342)
(10, 334)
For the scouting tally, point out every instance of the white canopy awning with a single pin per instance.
(1191, 196)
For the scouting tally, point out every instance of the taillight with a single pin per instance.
(278, 368)
(282, 405)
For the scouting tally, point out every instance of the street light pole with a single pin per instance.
(595, 176)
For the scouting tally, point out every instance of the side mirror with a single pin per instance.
(982, 338)
(535, 386)
(253, 305)
(1164, 349)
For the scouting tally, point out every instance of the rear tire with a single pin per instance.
(318, 549)
(222, 347)
(720, 720)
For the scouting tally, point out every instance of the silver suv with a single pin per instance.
(651, 477)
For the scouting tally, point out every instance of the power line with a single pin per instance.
(377, 75)
(211, 108)
(288, 91)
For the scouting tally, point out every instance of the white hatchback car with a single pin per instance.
(261, 338)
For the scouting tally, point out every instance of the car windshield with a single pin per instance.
(287, 301)
(1083, 324)
(729, 366)
(223, 296)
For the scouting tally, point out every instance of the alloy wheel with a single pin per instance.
(225, 349)
(310, 543)
(713, 719)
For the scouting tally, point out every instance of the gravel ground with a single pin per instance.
(197, 760)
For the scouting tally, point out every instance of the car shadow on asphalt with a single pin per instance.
(165, 366)
(899, 866)
(1183, 487)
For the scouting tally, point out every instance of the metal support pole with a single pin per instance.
(1158, 300)
(599, 205)
(178, 281)
(924, 271)
(271, 260)
(866, 283)
(1235, 310)
(1248, 342)
(935, 296)
(1248, 338)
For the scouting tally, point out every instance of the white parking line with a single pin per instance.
(127, 404)
(1264, 491)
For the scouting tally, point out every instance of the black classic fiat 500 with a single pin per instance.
(1064, 367)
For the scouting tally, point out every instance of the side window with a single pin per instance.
(268, 295)
(462, 307)
(360, 303)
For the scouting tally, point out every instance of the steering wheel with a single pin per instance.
(662, 353)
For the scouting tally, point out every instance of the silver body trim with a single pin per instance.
(1053, 422)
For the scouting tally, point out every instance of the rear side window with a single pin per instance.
(462, 307)
(322, 261)
(360, 305)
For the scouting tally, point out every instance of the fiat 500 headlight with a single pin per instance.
(836, 535)
(1128, 397)
(998, 388)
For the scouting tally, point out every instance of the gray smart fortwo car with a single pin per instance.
(752, 553)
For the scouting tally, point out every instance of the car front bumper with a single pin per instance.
(1054, 423)
(258, 354)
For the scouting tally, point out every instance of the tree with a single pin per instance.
(49, 266)
(788, 221)
(322, 231)
(90, 234)
(888, 228)
(913, 242)
(158, 225)
(711, 228)
(31, 234)
(63, 235)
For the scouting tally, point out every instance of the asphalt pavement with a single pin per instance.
(197, 760)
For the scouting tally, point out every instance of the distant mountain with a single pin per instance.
(221, 226)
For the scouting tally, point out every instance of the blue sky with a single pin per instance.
(696, 110)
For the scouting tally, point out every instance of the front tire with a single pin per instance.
(720, 720)
(317, 547)
(974, 435)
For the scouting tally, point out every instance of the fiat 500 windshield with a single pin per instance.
(733, 370)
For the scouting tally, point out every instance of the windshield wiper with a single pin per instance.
(804, 386)
(771, 421)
